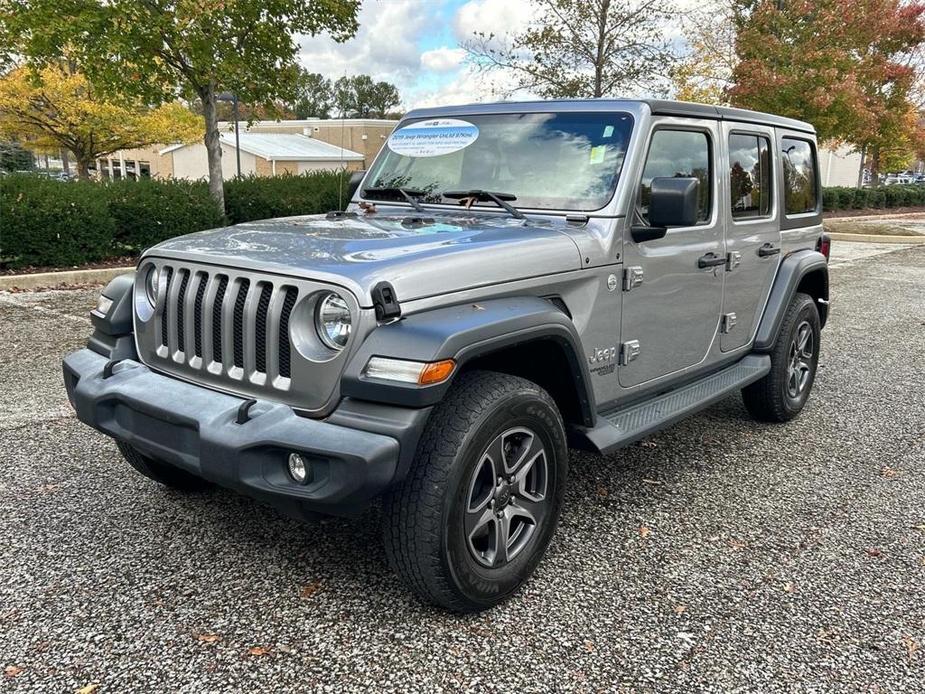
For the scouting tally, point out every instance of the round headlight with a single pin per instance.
(151, 285)
(332, 321)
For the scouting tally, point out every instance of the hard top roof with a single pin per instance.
(658, 107)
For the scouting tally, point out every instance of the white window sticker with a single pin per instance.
(431, 138)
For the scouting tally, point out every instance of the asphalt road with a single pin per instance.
(722, 555)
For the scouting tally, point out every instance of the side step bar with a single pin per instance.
(624, 425)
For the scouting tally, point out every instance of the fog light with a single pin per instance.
(300, 468)
(103, 304)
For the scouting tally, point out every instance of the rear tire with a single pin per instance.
(160, 472)
(476, 511)
(781, 395)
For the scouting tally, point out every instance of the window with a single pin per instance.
(799, 159)
(568, 161)
(750, 175)
(679, 154)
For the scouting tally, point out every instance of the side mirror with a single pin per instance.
(672, 203)
(356, 178)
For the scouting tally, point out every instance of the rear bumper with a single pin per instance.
(195, 429)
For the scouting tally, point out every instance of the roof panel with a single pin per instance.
(290, 147)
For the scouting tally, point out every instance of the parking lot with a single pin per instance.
(719, 555)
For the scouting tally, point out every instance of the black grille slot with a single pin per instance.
(291, 294)
(260, 327)
(239, 323)
(217, 318)
(181, 309)
(165, 316)
(197, 313)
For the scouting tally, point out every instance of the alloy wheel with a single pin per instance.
(507, 498)
(802, 353)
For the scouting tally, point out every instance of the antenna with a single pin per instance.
(343, 164)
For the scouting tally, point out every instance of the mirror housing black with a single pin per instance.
(672, 203)
(356, 178)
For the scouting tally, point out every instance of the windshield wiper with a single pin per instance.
(484, 196)
(409, 194)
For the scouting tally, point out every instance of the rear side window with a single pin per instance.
(750, 175)
(679, 154)
(799, 159)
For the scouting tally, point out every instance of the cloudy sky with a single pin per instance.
(415, 45)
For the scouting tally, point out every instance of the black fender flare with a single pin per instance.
(463, 332)
(793, 269)
(113, 332)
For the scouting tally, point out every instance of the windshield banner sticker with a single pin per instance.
(432, 138)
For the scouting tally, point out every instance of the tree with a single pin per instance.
(161, 49)
(582, 48)
(360, 97)
(58, 108)
(704, 73)
(314, 97)
(839, 64)
(383, 98)
(15, 157)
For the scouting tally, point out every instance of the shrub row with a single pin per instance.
(46, 222)
(842, 198)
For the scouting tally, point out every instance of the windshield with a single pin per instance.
(565, 161)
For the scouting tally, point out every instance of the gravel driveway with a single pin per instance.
(720, 555)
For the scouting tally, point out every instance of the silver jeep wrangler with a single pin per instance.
(507, 281)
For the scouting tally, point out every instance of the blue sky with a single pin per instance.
(415, 45)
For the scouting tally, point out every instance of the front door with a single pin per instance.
(671, 305)
(752, 230)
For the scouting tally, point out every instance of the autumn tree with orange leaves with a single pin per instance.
(846, 66)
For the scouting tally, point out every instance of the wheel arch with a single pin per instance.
(803, 271)
(521, 336)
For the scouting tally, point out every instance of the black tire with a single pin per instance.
(426, 517)
(165, 474)
(773, 398)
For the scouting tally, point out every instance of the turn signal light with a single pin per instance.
(406, 371)
(437, 372)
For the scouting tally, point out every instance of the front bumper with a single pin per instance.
(195, 429)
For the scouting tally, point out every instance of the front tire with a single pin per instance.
(475, 514)
(781, 395)
(160, 472)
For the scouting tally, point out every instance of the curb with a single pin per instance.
(868, 217)
(50, 280)
(876, 238)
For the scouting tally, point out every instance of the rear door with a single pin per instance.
(752, 229)
(672, 305)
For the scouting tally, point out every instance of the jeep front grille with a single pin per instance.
(227, 325)
(245, 332)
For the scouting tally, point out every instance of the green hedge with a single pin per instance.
(48, 222)
(839, 198)
(45, 222)
(254, 197)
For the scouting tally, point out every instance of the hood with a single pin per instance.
(420, 256)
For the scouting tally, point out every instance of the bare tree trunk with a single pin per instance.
(83, 167)
(65, 162)
(213, 146)
(875, 167)
(861, 167)
(599, 55)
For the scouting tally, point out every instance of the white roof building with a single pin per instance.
(263, 154)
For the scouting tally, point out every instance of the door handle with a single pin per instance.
(710, 260)
(768, 249)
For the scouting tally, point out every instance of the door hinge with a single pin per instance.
(729, 322)
(733, 258)
(628, 352)
(632, 277)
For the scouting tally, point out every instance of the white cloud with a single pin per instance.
(443, 59)
(496, 17)
(385, 47)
